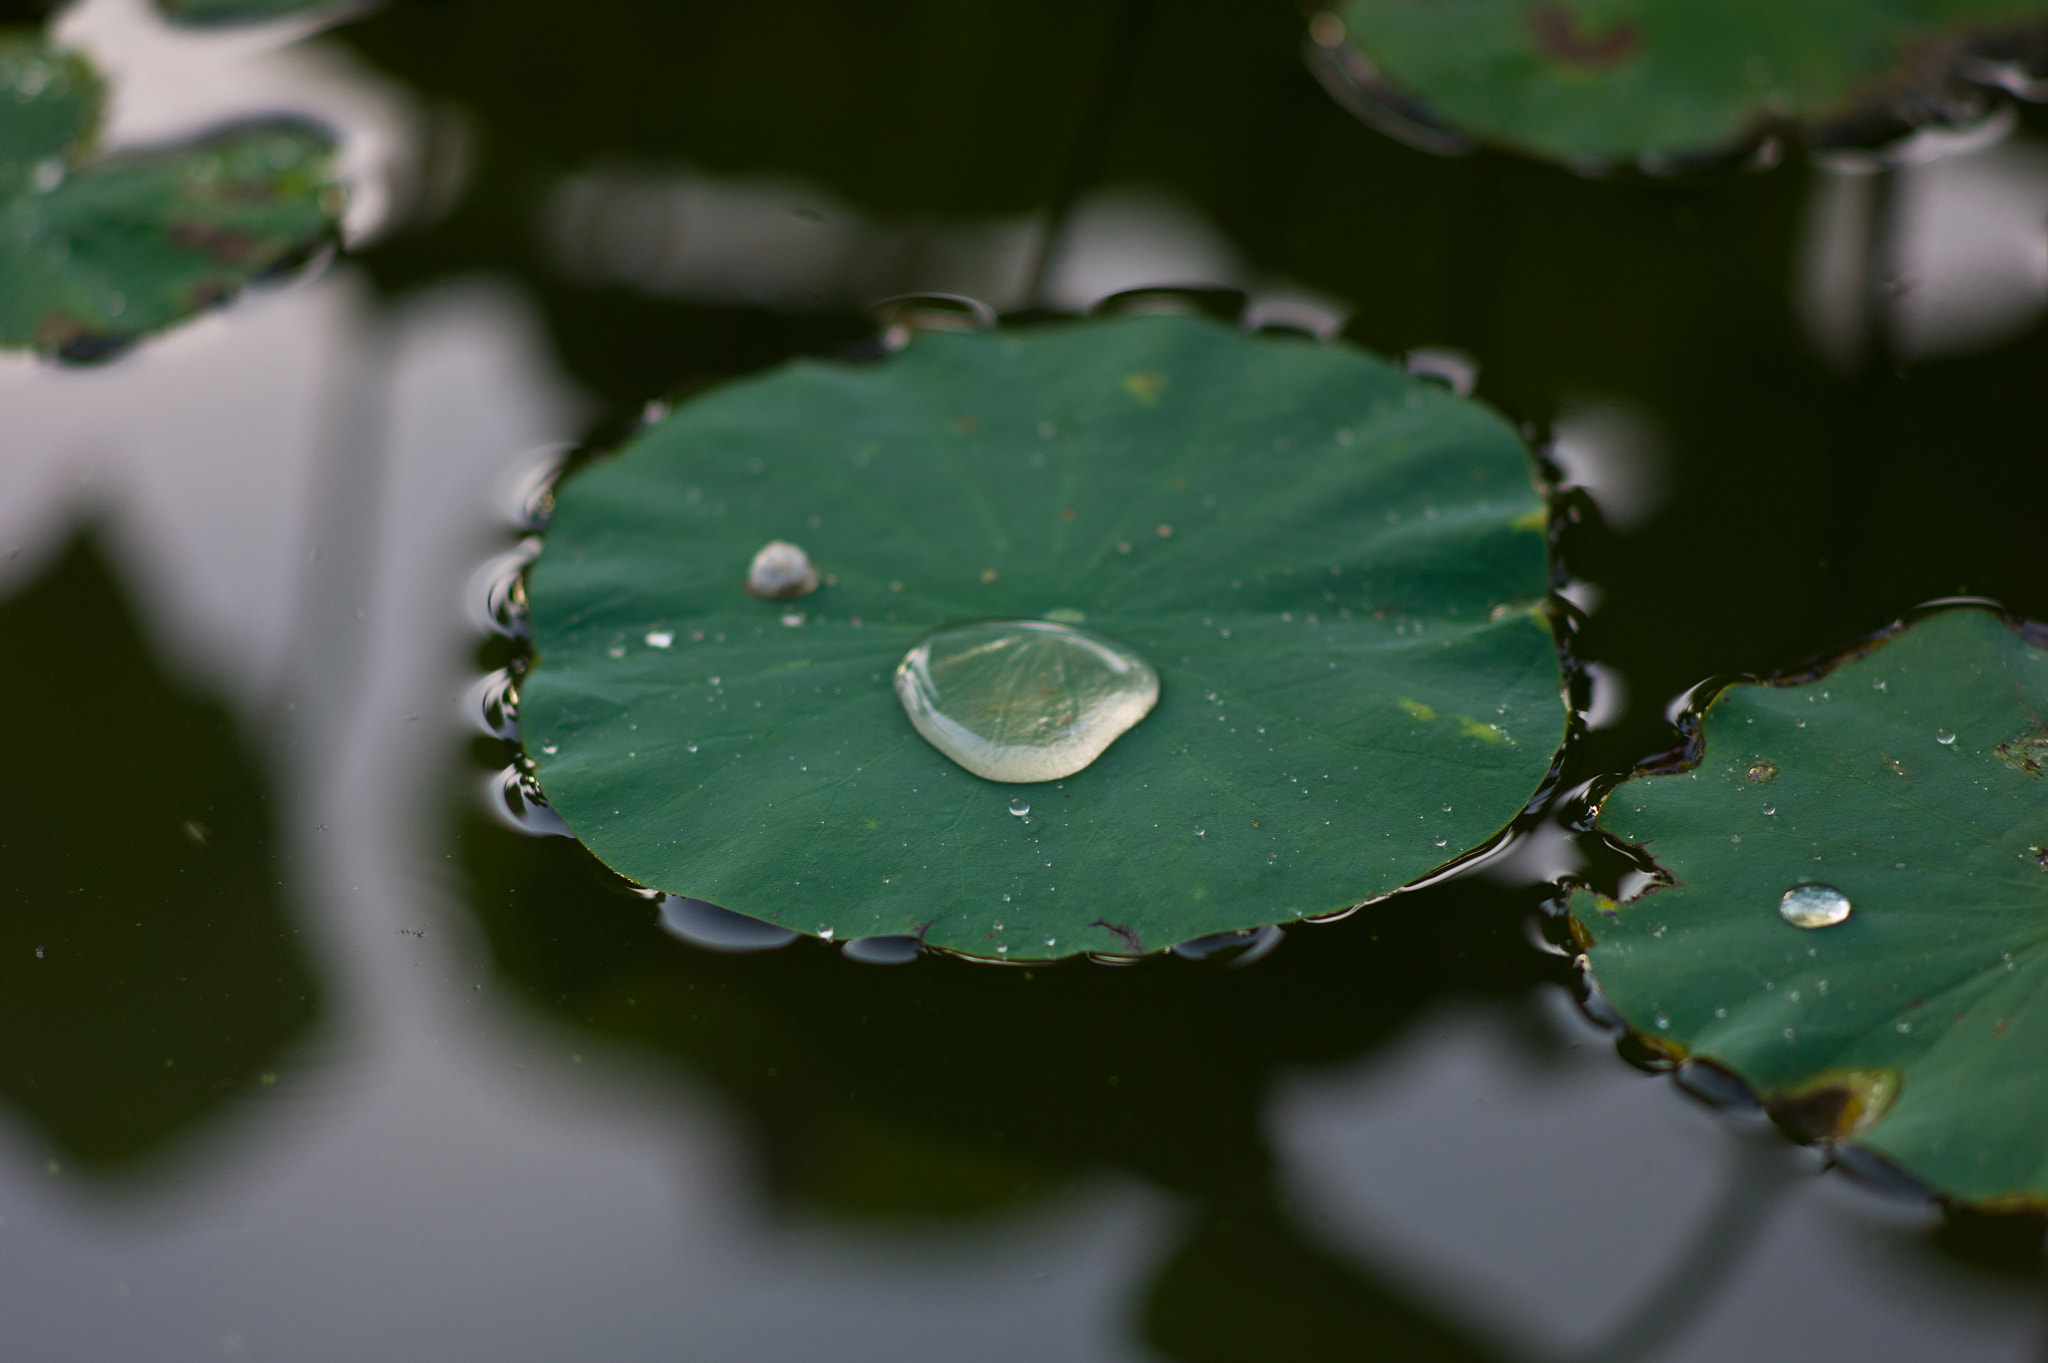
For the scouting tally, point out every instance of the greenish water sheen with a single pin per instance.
(149, 974)
(1908, 778)
(1023, 700)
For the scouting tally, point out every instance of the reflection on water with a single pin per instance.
(790, 245)
(949, 1090)
(149, 970)
(525, 1121)
(1939, 249)
(1572, 1209)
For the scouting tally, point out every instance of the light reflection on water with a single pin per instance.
(460, 1164)
(498, 1185)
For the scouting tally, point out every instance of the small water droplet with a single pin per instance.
(1761, 771)
(1813, 906)
(1023, 700)
(660, 638)
(1770, 809)
(1663, 1022)
(1720, 1012)
(1201, 832)
(617, 650)
(1447, 809)
(1903, 1025)
(1944, 736)
(825, 932)
(1020, 807)
(1790, 1035)
(693, 747)
(881, 950)
(1443, 842)
(39, 953)
(781, 570)
(1052, 941)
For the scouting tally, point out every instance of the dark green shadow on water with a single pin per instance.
(944, 1091)
(149, 972)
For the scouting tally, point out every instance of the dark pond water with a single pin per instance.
(306, 1056)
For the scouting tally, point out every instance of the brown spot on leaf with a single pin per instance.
(1123, 932)
(2027, 753)
(208, 293)
(59, 329)
(1558, 34)
(222, 243)
(1836, 1104)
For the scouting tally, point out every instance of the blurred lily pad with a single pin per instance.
(1857, 923)
(206, 12)
(97, 252)
(1335, 569)
(1616, 80)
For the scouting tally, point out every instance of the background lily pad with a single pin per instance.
(1911, 780)
(96, 253)
(204, 12)
(1618, 79)
(1334, 568)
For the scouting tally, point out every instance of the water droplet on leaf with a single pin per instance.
(1944, 736)
(781, 570)
(1813, 906)
(1023, 700)
(1020, 807)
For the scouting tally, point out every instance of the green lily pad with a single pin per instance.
(95, 253)
(1335, 569)
(1608, 80)
(196, 13)
(1909, 780)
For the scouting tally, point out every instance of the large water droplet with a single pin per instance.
(1813, 906)
(781, 570)
(1023, 700)
(1020, 806)
(1943, 736)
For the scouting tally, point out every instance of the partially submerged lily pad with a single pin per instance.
(1336, 571)
(95, 253)
(1858, 924)
(1616, 80)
